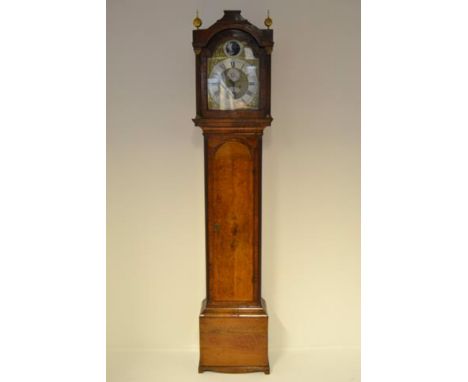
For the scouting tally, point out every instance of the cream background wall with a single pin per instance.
(311, 175)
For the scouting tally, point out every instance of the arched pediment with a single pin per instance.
(232, 20)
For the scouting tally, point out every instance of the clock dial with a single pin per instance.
(233, 77)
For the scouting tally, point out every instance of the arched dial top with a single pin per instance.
(233, 77)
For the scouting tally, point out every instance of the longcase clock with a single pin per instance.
(233, 71)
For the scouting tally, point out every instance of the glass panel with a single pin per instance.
(233, 77)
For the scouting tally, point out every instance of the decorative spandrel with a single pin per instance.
(233, 77)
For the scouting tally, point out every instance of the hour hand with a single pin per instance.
(227, 88)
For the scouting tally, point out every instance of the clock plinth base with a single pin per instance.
(234, 339)
(235, 369)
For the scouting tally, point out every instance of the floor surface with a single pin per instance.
(317, 365)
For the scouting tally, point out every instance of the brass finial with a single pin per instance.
(197, 23)
(268, 20)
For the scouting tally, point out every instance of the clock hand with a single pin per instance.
(229, 82)
(225, 87)
(231, 85)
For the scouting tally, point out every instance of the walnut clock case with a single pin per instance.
(233, 76)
